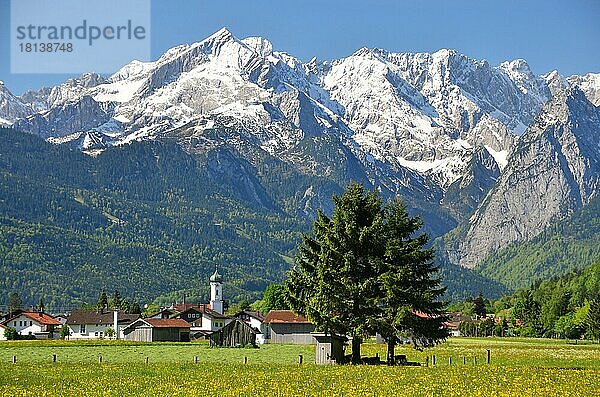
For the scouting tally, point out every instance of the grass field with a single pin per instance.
(519, 367)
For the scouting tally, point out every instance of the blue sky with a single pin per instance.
(549, 34)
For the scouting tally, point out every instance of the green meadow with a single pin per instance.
(519, 367)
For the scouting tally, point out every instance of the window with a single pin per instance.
(15, 323)
(20, 323)
(30, 323)
(82, 329)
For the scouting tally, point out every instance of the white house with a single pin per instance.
(38, 324)
(201, 318)
(2, 329)
(88, 324)
(256, 321)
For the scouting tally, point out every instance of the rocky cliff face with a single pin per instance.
(553, 170)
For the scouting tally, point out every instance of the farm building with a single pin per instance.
(255, 320)
(236, 333)
(158, 330)
(89, 324)
(286, 327)
(39, 324)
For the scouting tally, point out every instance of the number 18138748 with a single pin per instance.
(46, 47)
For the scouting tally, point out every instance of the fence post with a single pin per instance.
(474, 360)
(449, 360)
(195, 359)
(427, 361)
(464, 360)
(54, 358)
(245, 360)
(14, 359)
(100, 359)
(146, 360)
(300, 358)
(488, 356)
(433, 360)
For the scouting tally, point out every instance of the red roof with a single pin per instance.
(285, 316)
(41, 318)
(167, 322)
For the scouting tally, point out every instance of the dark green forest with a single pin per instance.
(563, 307)
(142, 219)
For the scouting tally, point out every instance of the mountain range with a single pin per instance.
(489, 156)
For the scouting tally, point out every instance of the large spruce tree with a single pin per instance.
(408, 305)
(362, 271)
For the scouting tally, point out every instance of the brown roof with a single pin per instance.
(41, 318)
(167, 322)
(80, 316)
(285, 316)
(199, 308)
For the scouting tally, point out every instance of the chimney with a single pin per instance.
(116, 323)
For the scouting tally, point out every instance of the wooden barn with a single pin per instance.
(286, 327)
(236, 333)
(158, 330)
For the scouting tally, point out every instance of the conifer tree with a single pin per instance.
(593, 319)
(362, 271)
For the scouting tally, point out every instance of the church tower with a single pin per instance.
(216, 292)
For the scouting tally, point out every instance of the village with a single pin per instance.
(184, 322)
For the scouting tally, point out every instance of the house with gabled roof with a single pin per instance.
(202, 319)
(38, 324)
(92, 324)
(158, 330)
(256, 321)
(287, 327)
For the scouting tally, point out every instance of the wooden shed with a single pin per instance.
(330, 348)
(286, 327)
(236, 333)
(158, 330)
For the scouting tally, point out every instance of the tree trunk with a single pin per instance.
(356, 341)
(391, 346)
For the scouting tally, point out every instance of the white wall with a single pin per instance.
(24, 325)
(256, 323)
(92, 331)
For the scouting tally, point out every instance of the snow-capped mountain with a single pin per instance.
(439, 128)
(11, 107)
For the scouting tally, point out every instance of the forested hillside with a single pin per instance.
(142, 219)
(566, 307)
